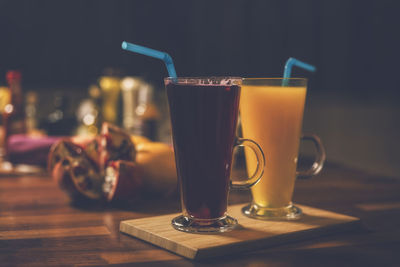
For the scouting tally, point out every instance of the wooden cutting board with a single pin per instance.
(251, 234)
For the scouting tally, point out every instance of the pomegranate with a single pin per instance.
(114, 144)
(123, 181)
(74, 171)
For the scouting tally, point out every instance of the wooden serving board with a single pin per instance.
(251, 234)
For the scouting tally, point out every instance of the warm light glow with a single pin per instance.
(129, 83)
(9, 108)
(140, 110)
(89, 119)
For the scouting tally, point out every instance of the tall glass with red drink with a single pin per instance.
(204, 114)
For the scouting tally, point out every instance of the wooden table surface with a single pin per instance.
(39, 227)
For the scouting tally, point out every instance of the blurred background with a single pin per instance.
(64, 47)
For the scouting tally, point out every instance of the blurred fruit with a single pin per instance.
(114, 144)
(61, 175)
(157, 164)
(123, 181)
(29, 149)
(57, 153)
(82, 140)
(74, 171)
(114, 166)
(92, 150)
(138, 139)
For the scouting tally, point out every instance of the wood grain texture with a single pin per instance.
(250, 235)
(50, 233)
(40, 227)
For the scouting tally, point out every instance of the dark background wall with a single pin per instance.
(354, 44)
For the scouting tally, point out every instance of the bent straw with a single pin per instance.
(294, 62)
(152, 53)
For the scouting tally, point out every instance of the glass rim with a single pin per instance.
(233, 80)
(205, 77)
(282, 82)
(276, 78)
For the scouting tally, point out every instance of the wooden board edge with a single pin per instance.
(153, 239)
(278, 240)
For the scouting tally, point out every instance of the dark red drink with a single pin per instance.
(204, 117)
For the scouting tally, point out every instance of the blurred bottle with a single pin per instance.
(110, 89)
(147, 112)
(130, 87)
(5, 96)
(14, 112)
(95, 97)
(31, 112)
(89, 114)
(59, 122)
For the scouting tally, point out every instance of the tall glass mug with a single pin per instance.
(271, 113)
(204, 114)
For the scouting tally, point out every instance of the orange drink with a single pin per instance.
(272, 115)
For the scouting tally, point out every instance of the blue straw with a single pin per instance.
(294, 62)
(152, 53)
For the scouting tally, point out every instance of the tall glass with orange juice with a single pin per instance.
(272, 115)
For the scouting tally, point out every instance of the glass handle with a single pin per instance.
(249, 182)
(316, 167)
